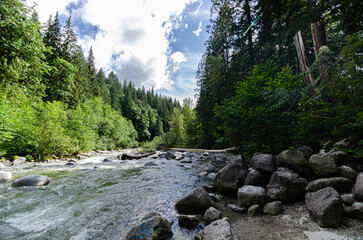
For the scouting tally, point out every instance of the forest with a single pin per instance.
(251, 93)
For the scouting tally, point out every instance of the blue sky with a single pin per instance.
(155, 43)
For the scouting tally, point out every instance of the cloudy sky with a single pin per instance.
(155, 43)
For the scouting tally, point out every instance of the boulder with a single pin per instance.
(230, 178)
(170, 154)
(358, 188)
(359, 177)
(150, 164)
(207, 167)
(217, 230)
(237, 208)
(294, 160)
(5, 176)
(18, 161)
(106, 160)
(306, 151)
(211, 176)
(70, 164)
(357, 210)
(285, 186)
(273, 208)
(212, 214)
(254, 210)
(340, 157)
(341, 184)
(325, 207)
(323, 165)
(151, 225)
(194, 202)
(348, 199)
(263, 163)
(345, 171)
(31, 180)
(250, 195)
(254, 178)
(188, 221)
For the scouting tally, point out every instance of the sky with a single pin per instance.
(153, 43)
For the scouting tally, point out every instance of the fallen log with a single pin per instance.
(130, 157)
(205, 150)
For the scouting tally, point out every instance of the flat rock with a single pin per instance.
(194, 202)
(217, 230)
(31, 180)
(273, 208)
(341, 184)
(5, 176)
(250, 195)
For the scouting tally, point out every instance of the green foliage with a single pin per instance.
(176, 134)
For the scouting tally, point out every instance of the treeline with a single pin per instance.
(53, 101)
(250, 89)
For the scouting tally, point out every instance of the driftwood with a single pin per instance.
(129, 157)
(205, 150)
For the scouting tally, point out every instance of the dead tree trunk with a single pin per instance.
(319, 36)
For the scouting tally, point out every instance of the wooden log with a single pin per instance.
(130, 157)
(205, 150)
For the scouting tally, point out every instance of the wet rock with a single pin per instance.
(263, 163)
(347, 172)
(285, 186)
(237, 208)
(294, 160)
(341, 184)
(151, 226)
(250, 195)
(18, 161)
(162, 155)
(217, 230)
(119, 157)
(31, 180)
(107, 160)
(5, 176)
(207, 167)
(254, 210)
(254, 178)
(357, 210)
(212, 214)
(273, 208)
(70, 164)
(230, 178)
(150, 164)
(323, 165)
(188, 221)
(194, 202)
(306, 151)
(170, 154)
(358, 188)
(186, 160)
(325, 207)
(347, 199)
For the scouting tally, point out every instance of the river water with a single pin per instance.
(93, 200)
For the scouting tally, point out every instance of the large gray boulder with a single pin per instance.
(341, 184)
(357, 210)
(212, 214)
(5, 176)
(254, 178)
(294, 160)
(325, 207)
(323, 165)
(358, 188)
(306, 151)
(196, 201)
(345, 171)
(230, 178)
(217, 230)
(250, 195)
(207, 167)
(340, 157)
(31, 180)
(286, 185)
(263, 163)
(151, 225)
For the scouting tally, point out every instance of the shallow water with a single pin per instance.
(93, 200)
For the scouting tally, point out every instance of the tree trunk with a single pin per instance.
(319, 36)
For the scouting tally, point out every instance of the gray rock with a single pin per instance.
(325, 207)
(323, 165)
(217, 230)
(341, 184)
(106, 160)
(358, 188)
(263, 163)
(273, 208)
(188, 221)
(151, 225)
(341, 158)
(357, 210)
(170, 154)
(194, 202)
(285, 186)
(211, 176)
(346, 211)
(294, 160)
(230, 178)
(18, 161)
(208, 187)
(250, 195)
(150, 164)
(186, 160)
(306, 151)
(5, 176)
(215, 197)
(254, 210)
(212, 214)
(345, 171)
(348, 199)
(31, 180)
(207, 167)
(70, 164)
(254, 178)
(237, 208)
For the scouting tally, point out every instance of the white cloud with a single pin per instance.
(198, 8)
(177, 58)
(199, 30)
(47, 7)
